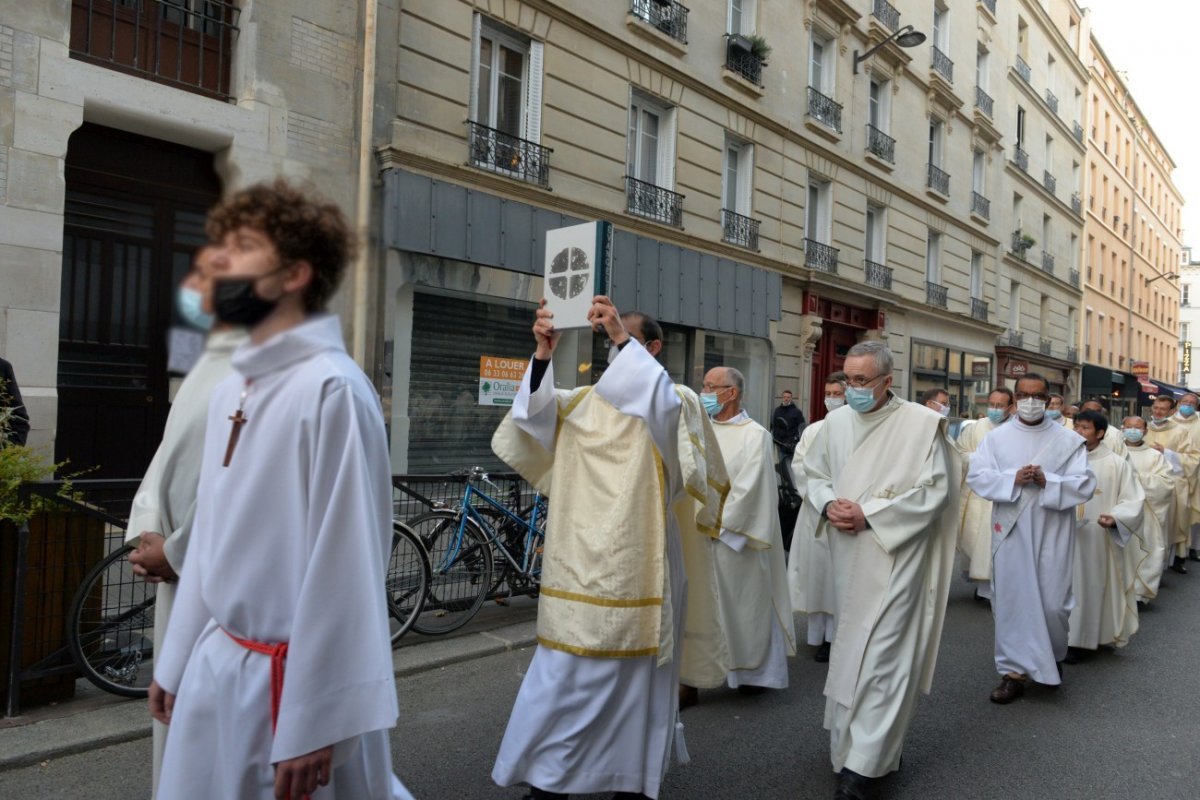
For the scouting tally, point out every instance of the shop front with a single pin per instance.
(966, 375)
(1122, 391)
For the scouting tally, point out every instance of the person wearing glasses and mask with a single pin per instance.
(975, 533)
(1175, 443)
(891, 523)
(809, 571)
(1036, 474)
(1187, 418)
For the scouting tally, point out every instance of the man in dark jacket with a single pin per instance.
(10, 400)
(786, 425)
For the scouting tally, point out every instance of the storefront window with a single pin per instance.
(751, 357)
(966, 377)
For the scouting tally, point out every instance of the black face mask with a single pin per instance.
(235, 301)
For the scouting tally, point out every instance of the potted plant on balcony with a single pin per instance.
(740, 43)
(759, 48)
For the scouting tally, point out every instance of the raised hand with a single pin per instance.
(544, 332)
(604, 317)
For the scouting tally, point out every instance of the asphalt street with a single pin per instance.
(1123, 725)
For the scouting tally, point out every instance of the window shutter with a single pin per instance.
(666, 149)
(533, 94)
(473, 100)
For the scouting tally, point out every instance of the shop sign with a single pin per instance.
(1140, 369)
(499, 379)
(1017, 368)
(1187, 358)
(981, 369)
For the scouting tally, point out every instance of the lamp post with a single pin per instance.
(908, 36)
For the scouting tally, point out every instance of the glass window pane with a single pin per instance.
(483, 97)
(731, 178)
(751, 357)
(648, 153)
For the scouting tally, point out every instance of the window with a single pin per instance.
(936, 132)
(933, 258)
(879, 105)
(817, 210)
(651, 144)
(821, 69)
(1020, 128)
(977, 172)
(876, 234)
(976, 275)
(741, 16)
(1183, 331)
(506, 81)
(1050, 154)
(738, 176)
(981, 69)
(941, 28)
(1183, 297)
(1014, 306)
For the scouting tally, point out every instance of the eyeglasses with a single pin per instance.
(712, 387)
(859, 382)
(1028, 396)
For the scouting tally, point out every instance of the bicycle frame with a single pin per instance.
(468, 510)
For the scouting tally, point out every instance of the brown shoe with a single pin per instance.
(1010, 689)
(688, 696)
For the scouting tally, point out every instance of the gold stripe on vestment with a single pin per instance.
(585, 651)
(610, 602)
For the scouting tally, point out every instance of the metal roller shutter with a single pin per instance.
(448, 428)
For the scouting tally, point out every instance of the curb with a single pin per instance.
(119, 723)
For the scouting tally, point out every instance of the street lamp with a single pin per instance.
(908, 36)
(1171, 276)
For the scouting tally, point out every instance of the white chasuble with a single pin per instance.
(975, 518)
(1105, 609)
(1191, 426)
(810, 574)
(1161, 486)
(289, 544)
(892, 579)
(586, 720)
(166, 499)
(755, 609)
(1176, 443)
(1033, 540)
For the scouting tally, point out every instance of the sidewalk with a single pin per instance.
(95, 719)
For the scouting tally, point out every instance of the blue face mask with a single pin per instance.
(1187, 410)
(711, 404)
(1133, 435)
(861, 400)
(1054, 413)
(996, 415)
(191, 307)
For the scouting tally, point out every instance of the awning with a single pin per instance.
(1097, 381)
(1160, 388)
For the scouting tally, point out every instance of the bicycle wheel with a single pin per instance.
(407, 579)
(508, 536)
(111, 628)
(460, 571)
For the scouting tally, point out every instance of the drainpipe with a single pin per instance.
(366, 158)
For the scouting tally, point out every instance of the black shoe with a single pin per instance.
(1179, 565)
(747, 689)
(1010, 689)
(822, 654)
(541, 794)
(1074, 655)
(852, 786)
(688, 696)
(630, 796)
(1193, 555)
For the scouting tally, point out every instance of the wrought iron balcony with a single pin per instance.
(739, 59)
(886, 13)
(496, 151)
(1049, 181)
(880, 144)
(979, 309)
(936, 294)
(188, 46)
(653, 202)
(1045, 346)
(877, 274)
(981, 205)
(666, 15)
(1047, 262)
(824, 110)
(739, 229)
(1073, 353)
(1052, 101)
(1073, 276)
(990, 5)
(983, 101)
(1021, 243)
(1078, 129)
(937, 180)
(820, 256)
(943, 65)
(1023, 70)
(1012, 339)
(1077, 204)
(1021, 158)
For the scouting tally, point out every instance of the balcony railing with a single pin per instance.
(1077, 204)
(1045, 346)
(505, 154)
(739, 59)
(1078, 129)
(1073, 276)
(1020, 245)
(1073, 353)
(880, 144)
(1023, 70)
(937, 180)
(653, 202)
(1012, 339)
(1049, 181)
(943, 65)
(990, 5)
(877, 274)
(1021, 158)
(1052, 101)
(886, 13)
(981, 205)
(739, 229)
(189, 46)
(979, 309)
(824, 110)
(936, 294)
(983, 101)
(1047, 262)
(666, 15)
(820, 256)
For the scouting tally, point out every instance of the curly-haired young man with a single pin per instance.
(276, 674)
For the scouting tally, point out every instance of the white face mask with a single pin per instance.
(834, 402)
(943, 409)
(1031, 409)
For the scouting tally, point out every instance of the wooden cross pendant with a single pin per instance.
(239, 419)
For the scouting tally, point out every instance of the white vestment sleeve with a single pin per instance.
(735, 541)
(988, 480)
(818, 475)
(1072, 488)
(145, 515)
(637, 385)
(536, 413)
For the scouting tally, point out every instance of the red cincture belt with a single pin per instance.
(278, 654)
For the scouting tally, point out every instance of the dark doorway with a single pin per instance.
(830, 356)
(134, 214)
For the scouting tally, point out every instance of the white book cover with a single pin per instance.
(576, 271)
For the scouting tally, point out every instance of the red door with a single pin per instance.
(830, 356)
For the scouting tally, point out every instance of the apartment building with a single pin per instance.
(1189, 317)
(1132, 249)
(120, 124)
